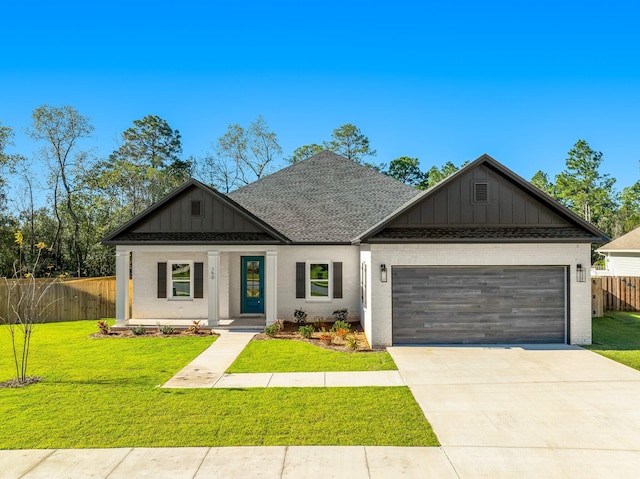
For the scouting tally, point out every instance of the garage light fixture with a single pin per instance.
(383, 273)
(581, 274)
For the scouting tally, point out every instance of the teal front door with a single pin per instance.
(253, 284)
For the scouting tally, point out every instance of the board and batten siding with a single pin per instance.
(579, 293)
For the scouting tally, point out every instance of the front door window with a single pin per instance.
(253, 284)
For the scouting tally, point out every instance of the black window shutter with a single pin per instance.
(162, 280)
(300, 280)
(198, 283)
(337, 280)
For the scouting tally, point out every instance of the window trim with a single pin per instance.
(170, 280)
(307, 278)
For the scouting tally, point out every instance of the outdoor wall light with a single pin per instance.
(383, 273)
(581, 274)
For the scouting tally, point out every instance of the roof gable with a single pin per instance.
(324, 199)
(629, 242)
(484, 201)
(171, 220)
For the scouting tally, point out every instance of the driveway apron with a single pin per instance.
(552, 406)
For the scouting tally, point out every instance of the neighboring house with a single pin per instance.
(622, 255)
(482, 257)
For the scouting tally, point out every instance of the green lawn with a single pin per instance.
(617, 336)
(280, 355)
(103, 393)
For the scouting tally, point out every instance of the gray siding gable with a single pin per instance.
(513, 210)
(508, 205)
(171, 220)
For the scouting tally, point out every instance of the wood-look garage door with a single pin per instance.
(492, 304)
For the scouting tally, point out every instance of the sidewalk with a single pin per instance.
(208, 371)
(277, 462)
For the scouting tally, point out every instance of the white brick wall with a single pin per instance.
(145, 301)
(481, 254)
(146, 304)
(287, 301)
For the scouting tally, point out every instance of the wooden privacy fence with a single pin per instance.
(70, 299)
(614, 293)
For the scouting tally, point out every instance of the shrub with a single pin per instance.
(166, 329)
(194, 327)
(271, 330)
(341, 314)
(103, 327)
(326, 337)
(138, 330)
(305, 331)
(340, 324)
(301, 316)
(352, 342)
(342, 332)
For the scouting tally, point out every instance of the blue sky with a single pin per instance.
(435, 80)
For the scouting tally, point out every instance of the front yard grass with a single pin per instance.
(617, 336)
(285, 355)
(100, 393)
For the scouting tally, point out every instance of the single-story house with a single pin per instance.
(482, 257)
(622, 255)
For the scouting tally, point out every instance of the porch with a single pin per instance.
(232, 287)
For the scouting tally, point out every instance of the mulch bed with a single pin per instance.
(290, 332)
(128, 333)
(16, 383)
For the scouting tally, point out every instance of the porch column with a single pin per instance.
(122, 287)
(271, 287)
(214, 274)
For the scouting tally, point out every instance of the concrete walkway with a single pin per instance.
(205, 370)
(273, 462)
(208, 371)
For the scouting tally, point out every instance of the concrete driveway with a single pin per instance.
(528, 411)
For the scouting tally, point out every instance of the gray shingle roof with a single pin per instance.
(324, 199)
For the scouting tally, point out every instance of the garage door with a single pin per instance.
(493, 304)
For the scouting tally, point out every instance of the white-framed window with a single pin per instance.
(180, 279)
(319, 278)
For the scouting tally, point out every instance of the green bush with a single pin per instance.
(305, 331)
(352, 342)
(167, 329)
(138, 330)
(340, 324)
(272, 330)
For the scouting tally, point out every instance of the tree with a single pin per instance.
(304, 152)
(436, 175)
(542, 181)
(629, 212)
(61, 129)
(145, 167)
(26, 305)
(243, 155)
(406, 169)
(584, 189)
(348, 141)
